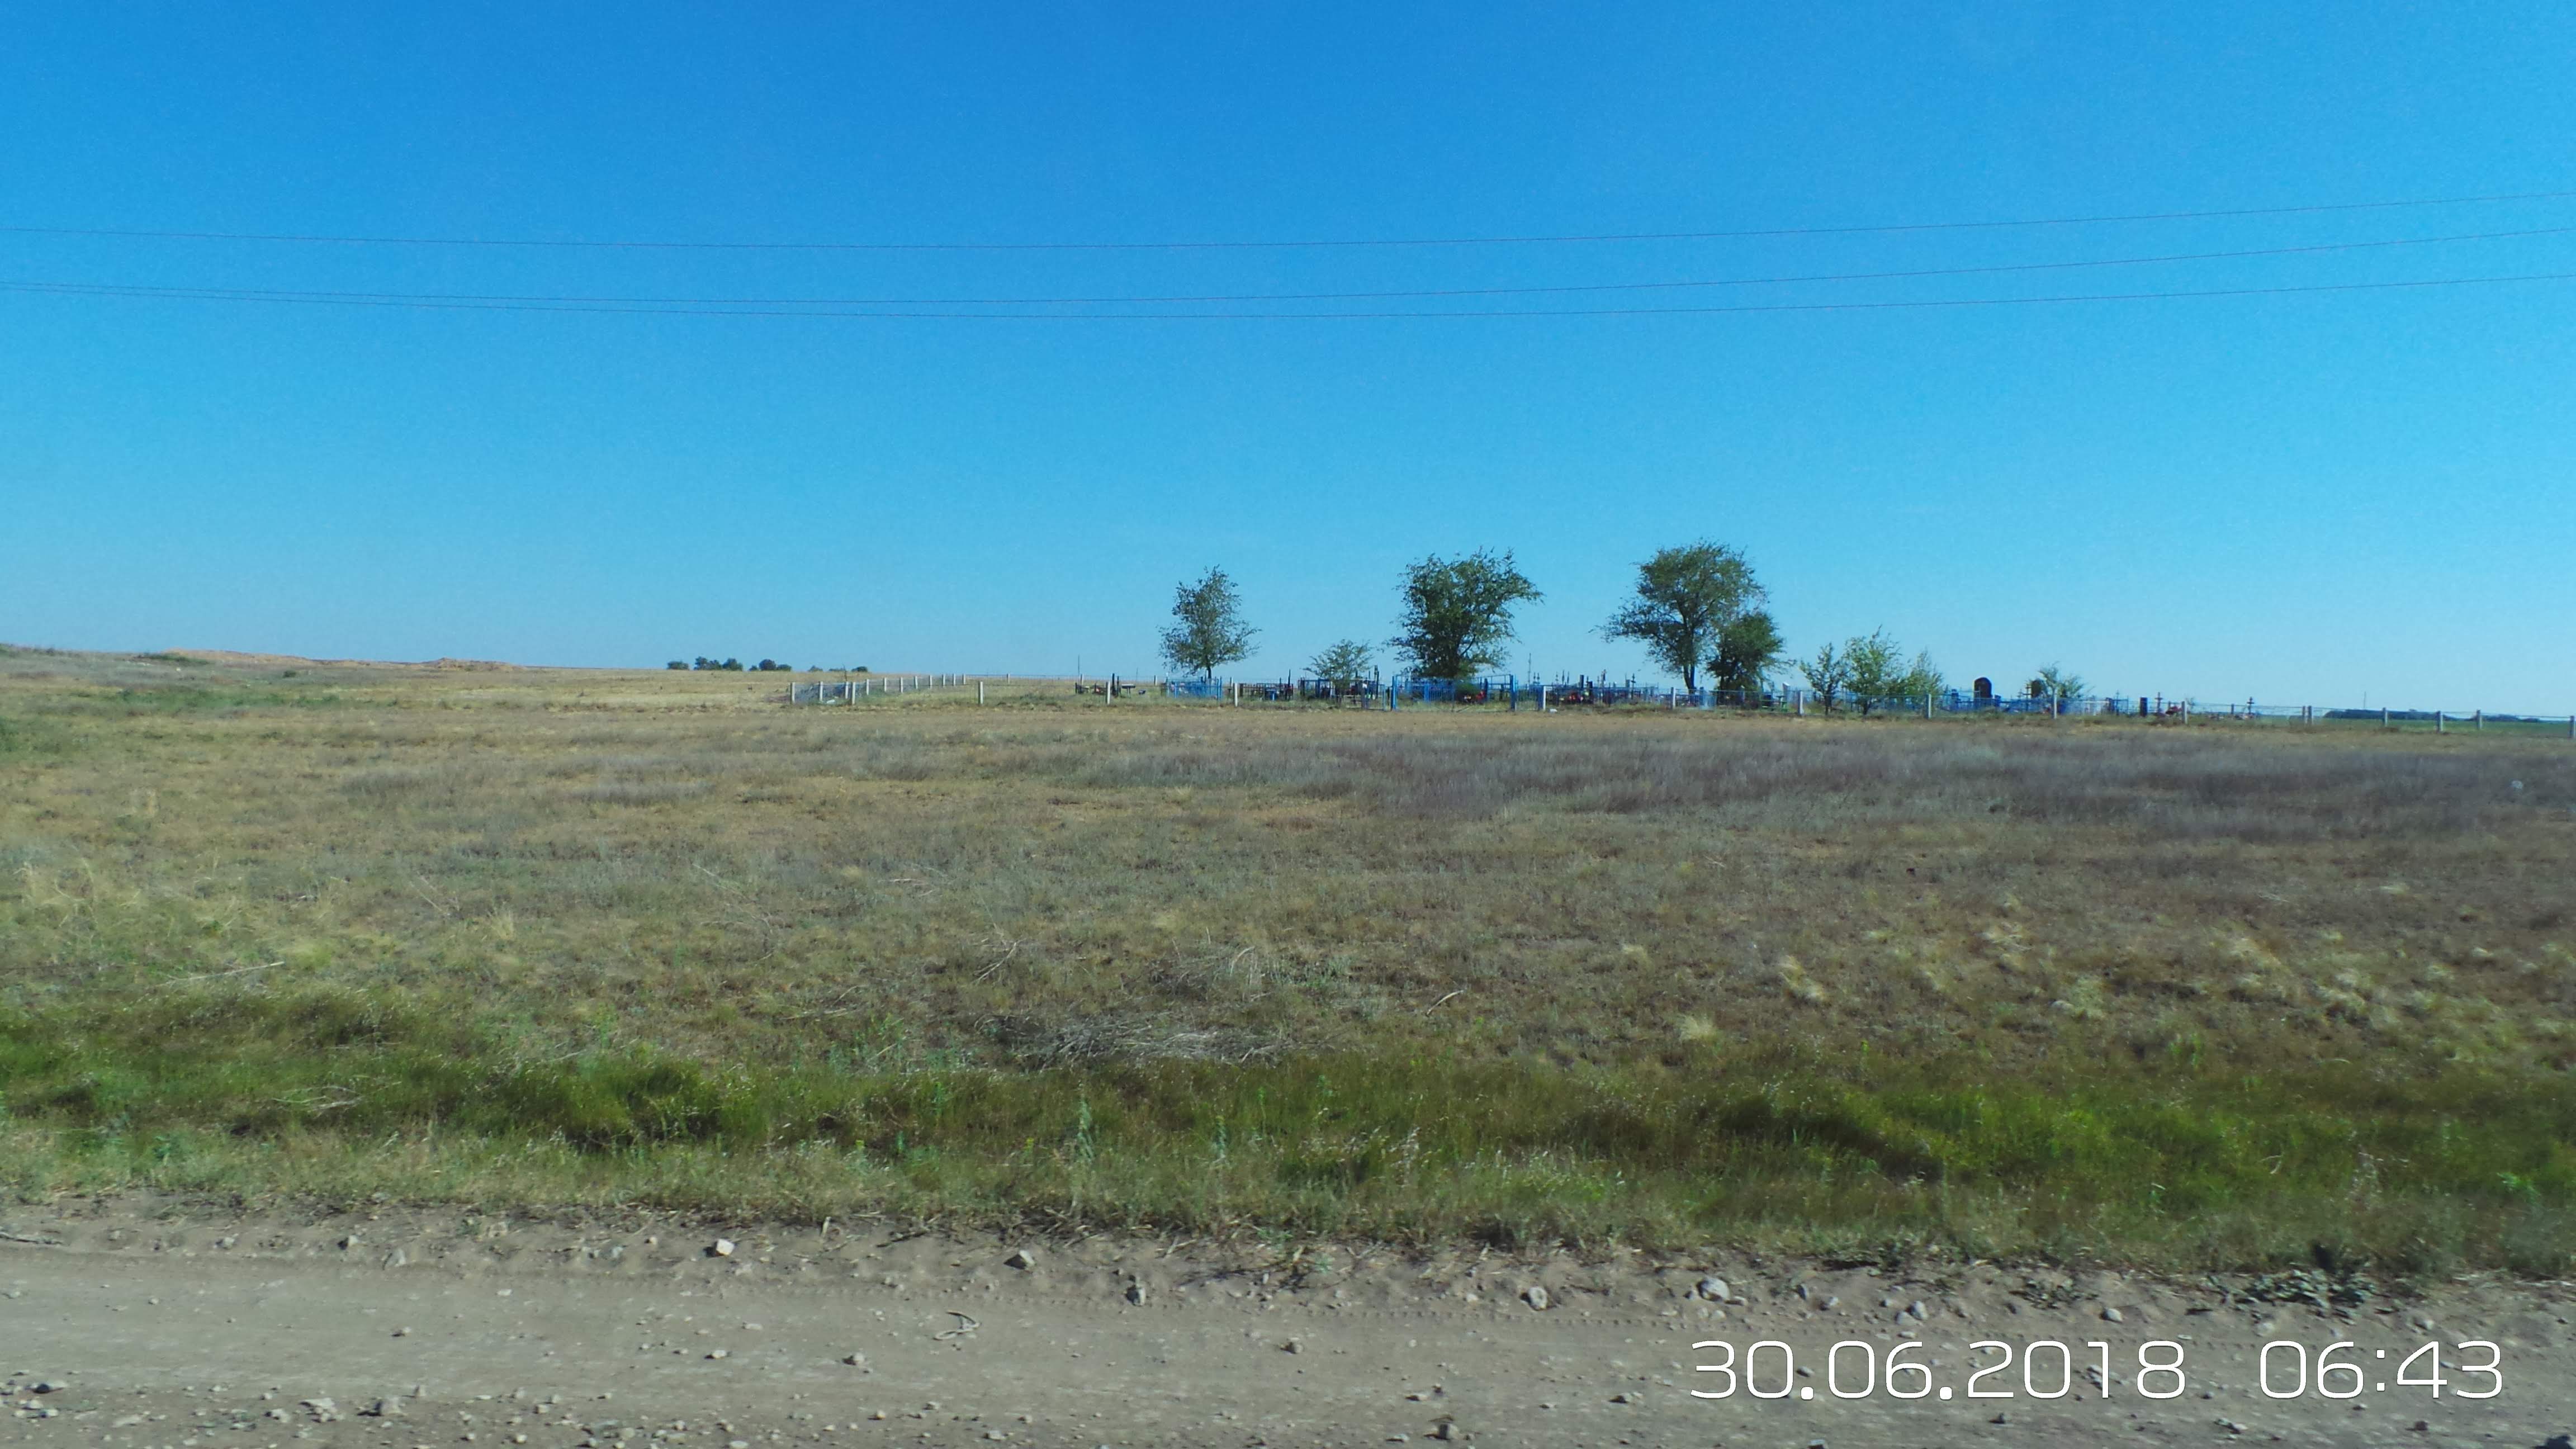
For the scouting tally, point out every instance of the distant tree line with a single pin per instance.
(766, 666)
(1697, 608)
(1454, 619)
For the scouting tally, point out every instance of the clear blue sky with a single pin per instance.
(2306, 496)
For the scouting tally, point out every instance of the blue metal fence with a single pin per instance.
(1583, 691)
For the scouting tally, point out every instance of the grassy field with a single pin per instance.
(2175, 996)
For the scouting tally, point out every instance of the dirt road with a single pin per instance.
(153, 1326)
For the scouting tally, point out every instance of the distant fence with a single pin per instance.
(2437, 721)
(1509, 692)
(851, 691)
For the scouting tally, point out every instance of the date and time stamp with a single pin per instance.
(2048, 1368)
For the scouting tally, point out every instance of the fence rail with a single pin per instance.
(1581, 692)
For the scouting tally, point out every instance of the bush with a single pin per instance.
(677, 664)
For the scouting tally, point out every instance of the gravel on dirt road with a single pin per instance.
(160, 1325)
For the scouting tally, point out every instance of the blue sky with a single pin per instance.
(2308, 496)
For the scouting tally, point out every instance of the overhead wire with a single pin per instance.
(1912, 274)
(58, 289)
(322, 239)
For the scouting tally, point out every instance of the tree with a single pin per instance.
(1345, 664)
(677, 664)
(1875, 666)
(2056, 683)
(1828, 674)
(1207, 628)
(1879, 671)
(1922, 678)
(1747, 650)
(1458, 614)
(1686, 599)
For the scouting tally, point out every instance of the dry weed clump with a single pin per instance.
(585, 868)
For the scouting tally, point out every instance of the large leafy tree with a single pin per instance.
(1207, 626)
(1686, 599)
(1458, 613)
(1748, 649)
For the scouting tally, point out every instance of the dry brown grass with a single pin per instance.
(592, 861)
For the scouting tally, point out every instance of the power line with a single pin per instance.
(1308, 244)
(291, 299)
(302, 294)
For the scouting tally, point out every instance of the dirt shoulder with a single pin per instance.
(156, 1324)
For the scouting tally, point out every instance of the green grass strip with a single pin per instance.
(329, 1091)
